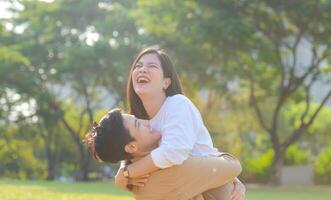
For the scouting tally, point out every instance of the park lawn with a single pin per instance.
(40, 190)
(43, 190)
(289, 193)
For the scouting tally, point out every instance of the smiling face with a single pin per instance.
(148, 77)
(146, 138)
(153, 80)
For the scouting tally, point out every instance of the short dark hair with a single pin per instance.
(135, 104)
(106, 140)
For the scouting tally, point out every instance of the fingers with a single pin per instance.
(143, 181)
(238, 192)
(138, 184)
(138, 181)
(238, 196)
(234, 191)
(144, 176)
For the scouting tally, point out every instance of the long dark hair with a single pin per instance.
(135, 104)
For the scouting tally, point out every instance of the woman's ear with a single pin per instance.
(131, 147)
(166, 83)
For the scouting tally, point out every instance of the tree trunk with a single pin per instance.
(277, 165)
(50, 169)
(84, 166)
(53, 158)
(84, 170)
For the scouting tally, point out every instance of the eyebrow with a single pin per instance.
(139, 62)
(135, 122)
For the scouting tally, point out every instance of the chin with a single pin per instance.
(143, 89)
(140, 91)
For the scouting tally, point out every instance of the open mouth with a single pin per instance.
(142, 79)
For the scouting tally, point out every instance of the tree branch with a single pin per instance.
(296, 82)
(304, 114)
(81, 116)
(281, 67)
(87, 101)
(294, 51)
(255, 104)
(298, 132)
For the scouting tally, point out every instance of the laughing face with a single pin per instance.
(147, 76)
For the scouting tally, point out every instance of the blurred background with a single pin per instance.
(259, 71)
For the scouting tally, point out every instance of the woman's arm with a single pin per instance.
(120, 180)
(195, 176)
(179, 135)
(180, 130)
(178, 139)
(136, 179)
(142, 167)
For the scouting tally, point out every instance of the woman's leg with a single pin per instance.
(195, 176)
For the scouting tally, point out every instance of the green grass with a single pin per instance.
(40, 190)
(289, 193)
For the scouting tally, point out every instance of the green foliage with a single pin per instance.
(257, 168)
(295, 156)
(73, 57)
(19, 156)
(9, 56)
(320, 130)
(322, 167)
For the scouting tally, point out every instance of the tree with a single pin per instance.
(284, 29)
(256, 46)
(74, 63)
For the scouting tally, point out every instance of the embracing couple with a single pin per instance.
(167, 151)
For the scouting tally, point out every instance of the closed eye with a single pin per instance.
(136, 123)
(153, 66)
(137, 66)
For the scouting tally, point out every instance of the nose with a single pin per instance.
(142, 69)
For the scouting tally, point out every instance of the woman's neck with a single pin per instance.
(153, 103)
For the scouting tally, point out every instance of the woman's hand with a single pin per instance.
(120, 180)
(140, 181)
(239, 190)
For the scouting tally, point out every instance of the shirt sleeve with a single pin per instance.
(178, 135)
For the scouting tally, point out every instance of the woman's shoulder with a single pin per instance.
(179, 99)
(180, 104)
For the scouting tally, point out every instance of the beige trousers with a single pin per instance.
(190, 180)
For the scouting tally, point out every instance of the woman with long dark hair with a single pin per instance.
(154, 93)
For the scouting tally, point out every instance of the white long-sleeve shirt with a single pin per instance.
(183, 133)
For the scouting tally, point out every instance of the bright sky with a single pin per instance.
(4, 5)
(3, 10)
